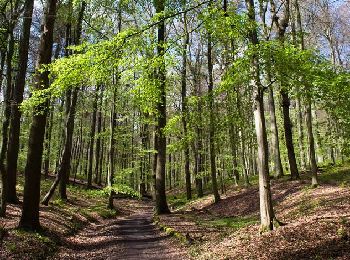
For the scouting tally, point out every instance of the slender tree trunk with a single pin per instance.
(282, 24)
(184, 110)
(48, 144)
(92, 138)
(2, 65)
(13, 148)
(65, 166)
(144, 160)
(6, 123)
(31, 194)
(275, 139)
(301, 134)
(289, 135)
(98, 143)
(233, 146)
(110, 179)
(312, 153)
(211, 120)
(266, 208)
(161, 202)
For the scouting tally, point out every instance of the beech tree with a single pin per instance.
(159, 97)
(31, 194)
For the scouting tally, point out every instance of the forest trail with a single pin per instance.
(134, 236)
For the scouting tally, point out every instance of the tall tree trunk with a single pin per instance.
(312, 153)
(282, 24)
(184, 110)
(301, 134)
(6, 123)
(92, 137)
(31, 194)
(65, 166)
(48, 143)
(98, 179)
(266, 207)
(66, 155)
(161, 201)
(144, 168)
(110, 179)
(275, 139)
(2, 66)
(211, 119)
(15, 121)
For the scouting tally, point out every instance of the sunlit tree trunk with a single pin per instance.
(266, 207)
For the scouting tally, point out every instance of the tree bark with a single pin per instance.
(184, 110)
(275, 139)
(15, 121)
(48, 143)
(6, 122)
(31, 194)
(110, 179)
(65, 166)
(211, 120)
(92, 138)
(312, 153)
(289, 135)
(282, 25)
(98, 178)
(161, 201)
(266, 207)
(301, 134)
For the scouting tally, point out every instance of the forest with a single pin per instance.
(184, 129)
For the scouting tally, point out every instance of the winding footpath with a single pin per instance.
(133, 237)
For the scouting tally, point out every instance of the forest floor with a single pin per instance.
(317, 221)
(317, 225)
(83, 228)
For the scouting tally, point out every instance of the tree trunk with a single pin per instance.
(211, 120)
(6, 123)
(184, 110)
(31, 194)
(275, 140)
(48, 144)
(98, 179)
(161, 202)
(289, 135)
(110, 179)
(92, 138)
(312, 152)
(266, 208)
(15, 121)
(65, 166)
(310, 135)
(2, 65)
(301, 134)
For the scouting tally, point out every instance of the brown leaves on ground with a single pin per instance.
(73, 232)
(318, 224)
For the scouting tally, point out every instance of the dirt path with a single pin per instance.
(130, 237)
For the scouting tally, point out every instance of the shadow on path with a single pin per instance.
(132, 237)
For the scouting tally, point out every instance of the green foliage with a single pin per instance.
(121, 189)
(336, 175)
